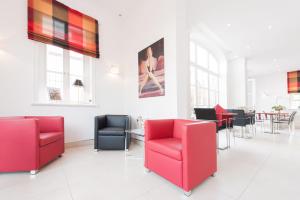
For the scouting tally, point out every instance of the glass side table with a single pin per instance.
(139, 132)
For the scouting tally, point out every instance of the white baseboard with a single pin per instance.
(91, 143)
(79, 143)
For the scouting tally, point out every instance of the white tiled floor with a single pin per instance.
(266, 167)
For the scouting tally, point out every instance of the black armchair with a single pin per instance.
(110, 132)
(209, 114)
(242, 119)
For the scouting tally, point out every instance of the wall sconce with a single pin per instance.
(114, 70)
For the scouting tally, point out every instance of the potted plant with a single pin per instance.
(278, 108)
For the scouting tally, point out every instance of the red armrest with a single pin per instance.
(199, 152)
(49, 123)
(19, 144)
(157, 129)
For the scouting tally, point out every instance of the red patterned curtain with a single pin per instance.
(52, 22)
(293, 82)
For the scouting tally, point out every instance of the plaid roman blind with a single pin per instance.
(293, 82)
(52, 22)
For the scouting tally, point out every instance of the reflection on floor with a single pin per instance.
(265, 167)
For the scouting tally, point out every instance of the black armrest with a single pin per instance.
(128, 124)
(100, 122)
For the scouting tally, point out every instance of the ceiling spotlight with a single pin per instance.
(270, 27)
(114, 70)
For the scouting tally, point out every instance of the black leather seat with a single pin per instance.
(110, 132)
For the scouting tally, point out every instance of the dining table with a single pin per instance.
(272, 117)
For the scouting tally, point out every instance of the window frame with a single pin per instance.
(41, 96)
(294, 98)
(206, 69)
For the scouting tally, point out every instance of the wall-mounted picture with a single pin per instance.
(54, 94)
(152, 70)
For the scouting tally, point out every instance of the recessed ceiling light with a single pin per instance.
(270, 27)
(248, 46)
(275, 60)
(228, 25)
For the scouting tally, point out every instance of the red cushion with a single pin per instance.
(171, 147)
(47, 138)
(219, 110)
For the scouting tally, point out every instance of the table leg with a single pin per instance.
(272, 124)
(126, 135)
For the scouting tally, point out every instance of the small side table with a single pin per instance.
(139, 132)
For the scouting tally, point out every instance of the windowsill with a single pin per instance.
(61, 104)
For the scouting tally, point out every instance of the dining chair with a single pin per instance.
(259, 118)
(242, 120)
(209, 114)
(288, 121)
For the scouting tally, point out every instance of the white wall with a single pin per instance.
(271, 89)
(152, 21)
(17, 57)
(182, 59)
(237, 83)
(121, 38)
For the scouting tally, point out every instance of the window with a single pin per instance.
(294, 101)
(62, 69)
(55, 72)
(204, 77)
(76, 73)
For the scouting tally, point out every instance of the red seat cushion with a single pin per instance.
(171, 147)
(219, 110)
(47, 138)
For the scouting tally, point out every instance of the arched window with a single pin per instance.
(204, 77)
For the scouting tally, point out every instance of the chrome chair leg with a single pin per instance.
(34, 172)
(187, 193)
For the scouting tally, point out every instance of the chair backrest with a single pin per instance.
(205, 113)
(240, 113)
(240, 119)
(48, 124)
(120, 121)
(266, 115)
(179, 127)
(292, 117)
(258, 116)
(12, 118)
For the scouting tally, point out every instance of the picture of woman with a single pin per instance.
(151, 71)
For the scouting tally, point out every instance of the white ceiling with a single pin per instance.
(267, 32)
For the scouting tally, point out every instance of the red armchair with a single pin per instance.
(29, 143)
(182, 151)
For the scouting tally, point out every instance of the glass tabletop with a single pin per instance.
(139, 132)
